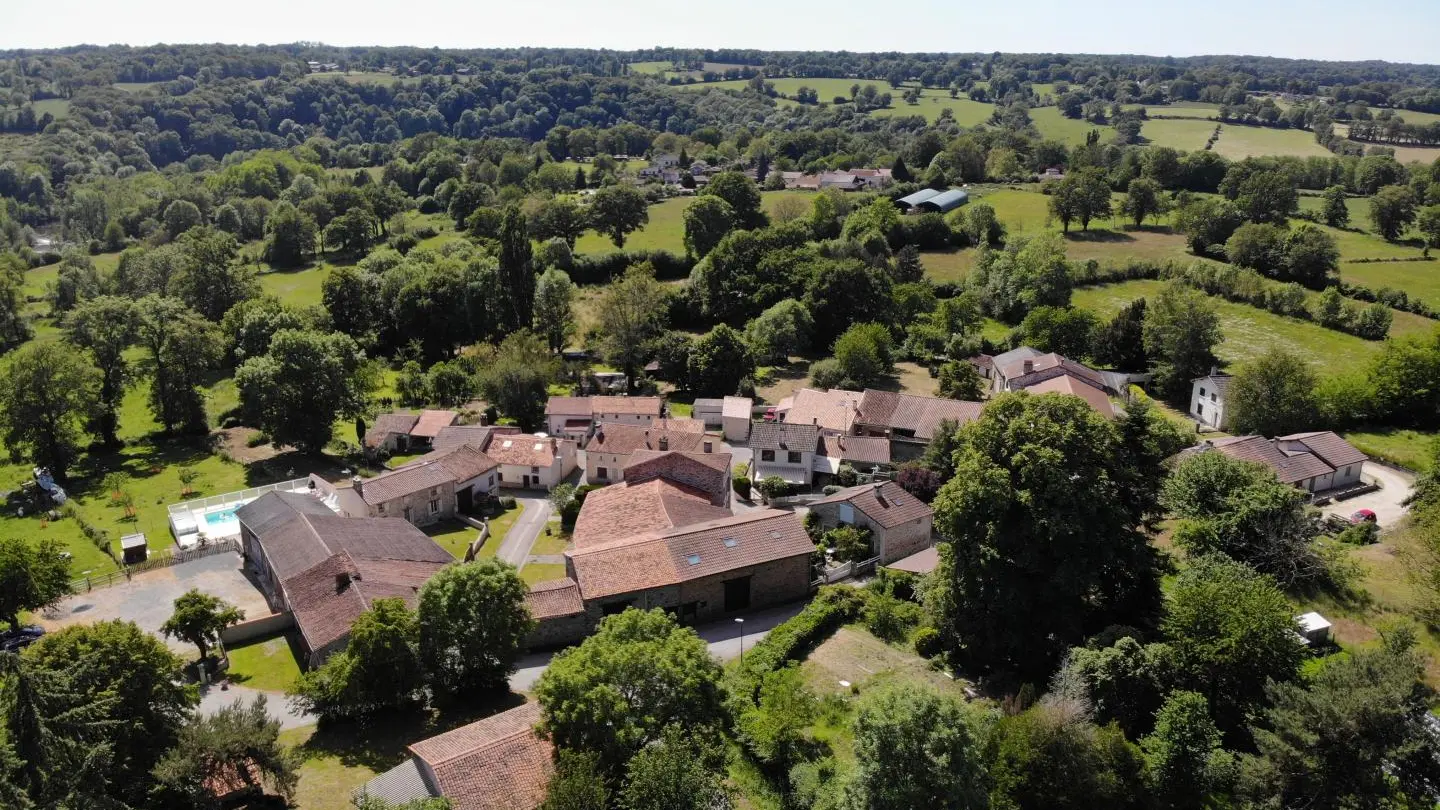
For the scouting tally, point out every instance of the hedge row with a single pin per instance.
(832, 607)
(603, 268)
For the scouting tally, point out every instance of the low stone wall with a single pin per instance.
(560, 631)
(257, 628)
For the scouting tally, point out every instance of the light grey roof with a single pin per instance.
(784, 436)
(1004, 359)
(399, 785)
(918, 197)
(946, 200)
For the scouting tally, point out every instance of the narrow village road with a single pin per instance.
(516, 547)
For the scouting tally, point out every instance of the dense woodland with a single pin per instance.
(1130, 617)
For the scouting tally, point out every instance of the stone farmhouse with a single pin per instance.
(900, 523)
(1316, 462)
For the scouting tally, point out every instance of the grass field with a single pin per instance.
(1188, 134)
(534, 573)
(967, 113)
(58, 107)
(1072, 131)
(270, 664)
(666, 228)
(1185, 109)
(651, 68)
(1238, 142)
(300, 288)
(1408, 448)
(1417, 154)
(1248, 332)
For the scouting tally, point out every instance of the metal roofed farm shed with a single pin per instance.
(944, 202)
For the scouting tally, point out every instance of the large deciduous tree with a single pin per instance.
(632, 313)
(1186, 765)
(1230, 630)
(290, 236)
(616, 211)
(182, 348)
(233, 746)
(1027, 273)
(473, 621)
(707, 220)
(378, 670)
(199, 619)
(680, 771)
(554, 308)
(106, 327)
(1044, 490)
(742, 195)
(1180, 334)
(297, 389)
(1273, 395)
(514, 376)
(1120, 344)
(517, 273)
(33, 575)
(615, 693)
(47, 393)
(916, 748)
(1392, 209)
(719, 361)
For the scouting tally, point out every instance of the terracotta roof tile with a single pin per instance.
(523, 450)
(388, 486)
(627, 510)
(1331, 449)
(330, 596)
(885, 503)
(914, 415)
(567, 406)
(625, 439)
(1067, 384)
(476, 436)
(499, 763)
(832, 410)
(707, 472)
(864, 449)
(432, 422)
(387, 424)
(1289, 469)
(549, 600)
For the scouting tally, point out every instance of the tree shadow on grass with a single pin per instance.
(136, 461)
(380, 743)
(293, 464)
(1099, 235)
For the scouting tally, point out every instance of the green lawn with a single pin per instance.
(967, 113)
(270, 664)
(300, 288)
(58, 107)
(535, 573)
(948, 265)
(654, 68)
(1184, 109)
(455, 537)
(666, 228)
(1187, 134)
(1072, 131)
(555, 542)
(1408, 448)
(1248, 332)
(1239, 141)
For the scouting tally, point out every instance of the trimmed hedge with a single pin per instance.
(606, 267)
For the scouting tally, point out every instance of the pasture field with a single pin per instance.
(967, 113)
(1412, 116)
(1187, 134)
(300, 287)
(1248, 332)
(58, 107)
(1238, 142)
(1072, 131)
(651, 68)
(1417, 154)
(666, 228)
(1184, 109)
(1359, 207)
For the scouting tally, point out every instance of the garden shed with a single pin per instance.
(133, 549)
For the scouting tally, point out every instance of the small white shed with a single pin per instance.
(736, 418)
(709, 411)
(1314, 628)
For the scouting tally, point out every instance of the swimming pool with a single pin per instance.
(220, 516)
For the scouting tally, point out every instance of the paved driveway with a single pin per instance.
(148, 597)
(521, 536)
(1388, 503)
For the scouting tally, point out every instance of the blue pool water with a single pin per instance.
(220, 516)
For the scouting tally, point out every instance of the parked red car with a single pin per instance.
(770, 415)
(1363, 516)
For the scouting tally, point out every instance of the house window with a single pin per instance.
(602, 473)
(1199, 409)
(492, 480)
(1202, 391)
(767, 455)
(434, 505)
(1212, 397)
(847, 513)
(534, 470)
(500, 476)
(794, 457)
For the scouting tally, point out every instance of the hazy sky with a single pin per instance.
(1395, 30)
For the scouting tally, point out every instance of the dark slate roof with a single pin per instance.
(306, 536)
(399, 785)
(784, 436)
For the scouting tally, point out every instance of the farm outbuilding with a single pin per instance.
(1314, 628)
(133, 548)
(737, 418)
(944, 202)
(709, 411)
(911, 200)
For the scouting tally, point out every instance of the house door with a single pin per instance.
(737, 594)
(465, 500)
(525, 481)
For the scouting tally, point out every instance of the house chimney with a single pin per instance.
(342, 581)
(359, 484)
(664, 442)
(1214, 370)
(1028, 366)
(708, 447)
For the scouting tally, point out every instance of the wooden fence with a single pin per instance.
(157, 559)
